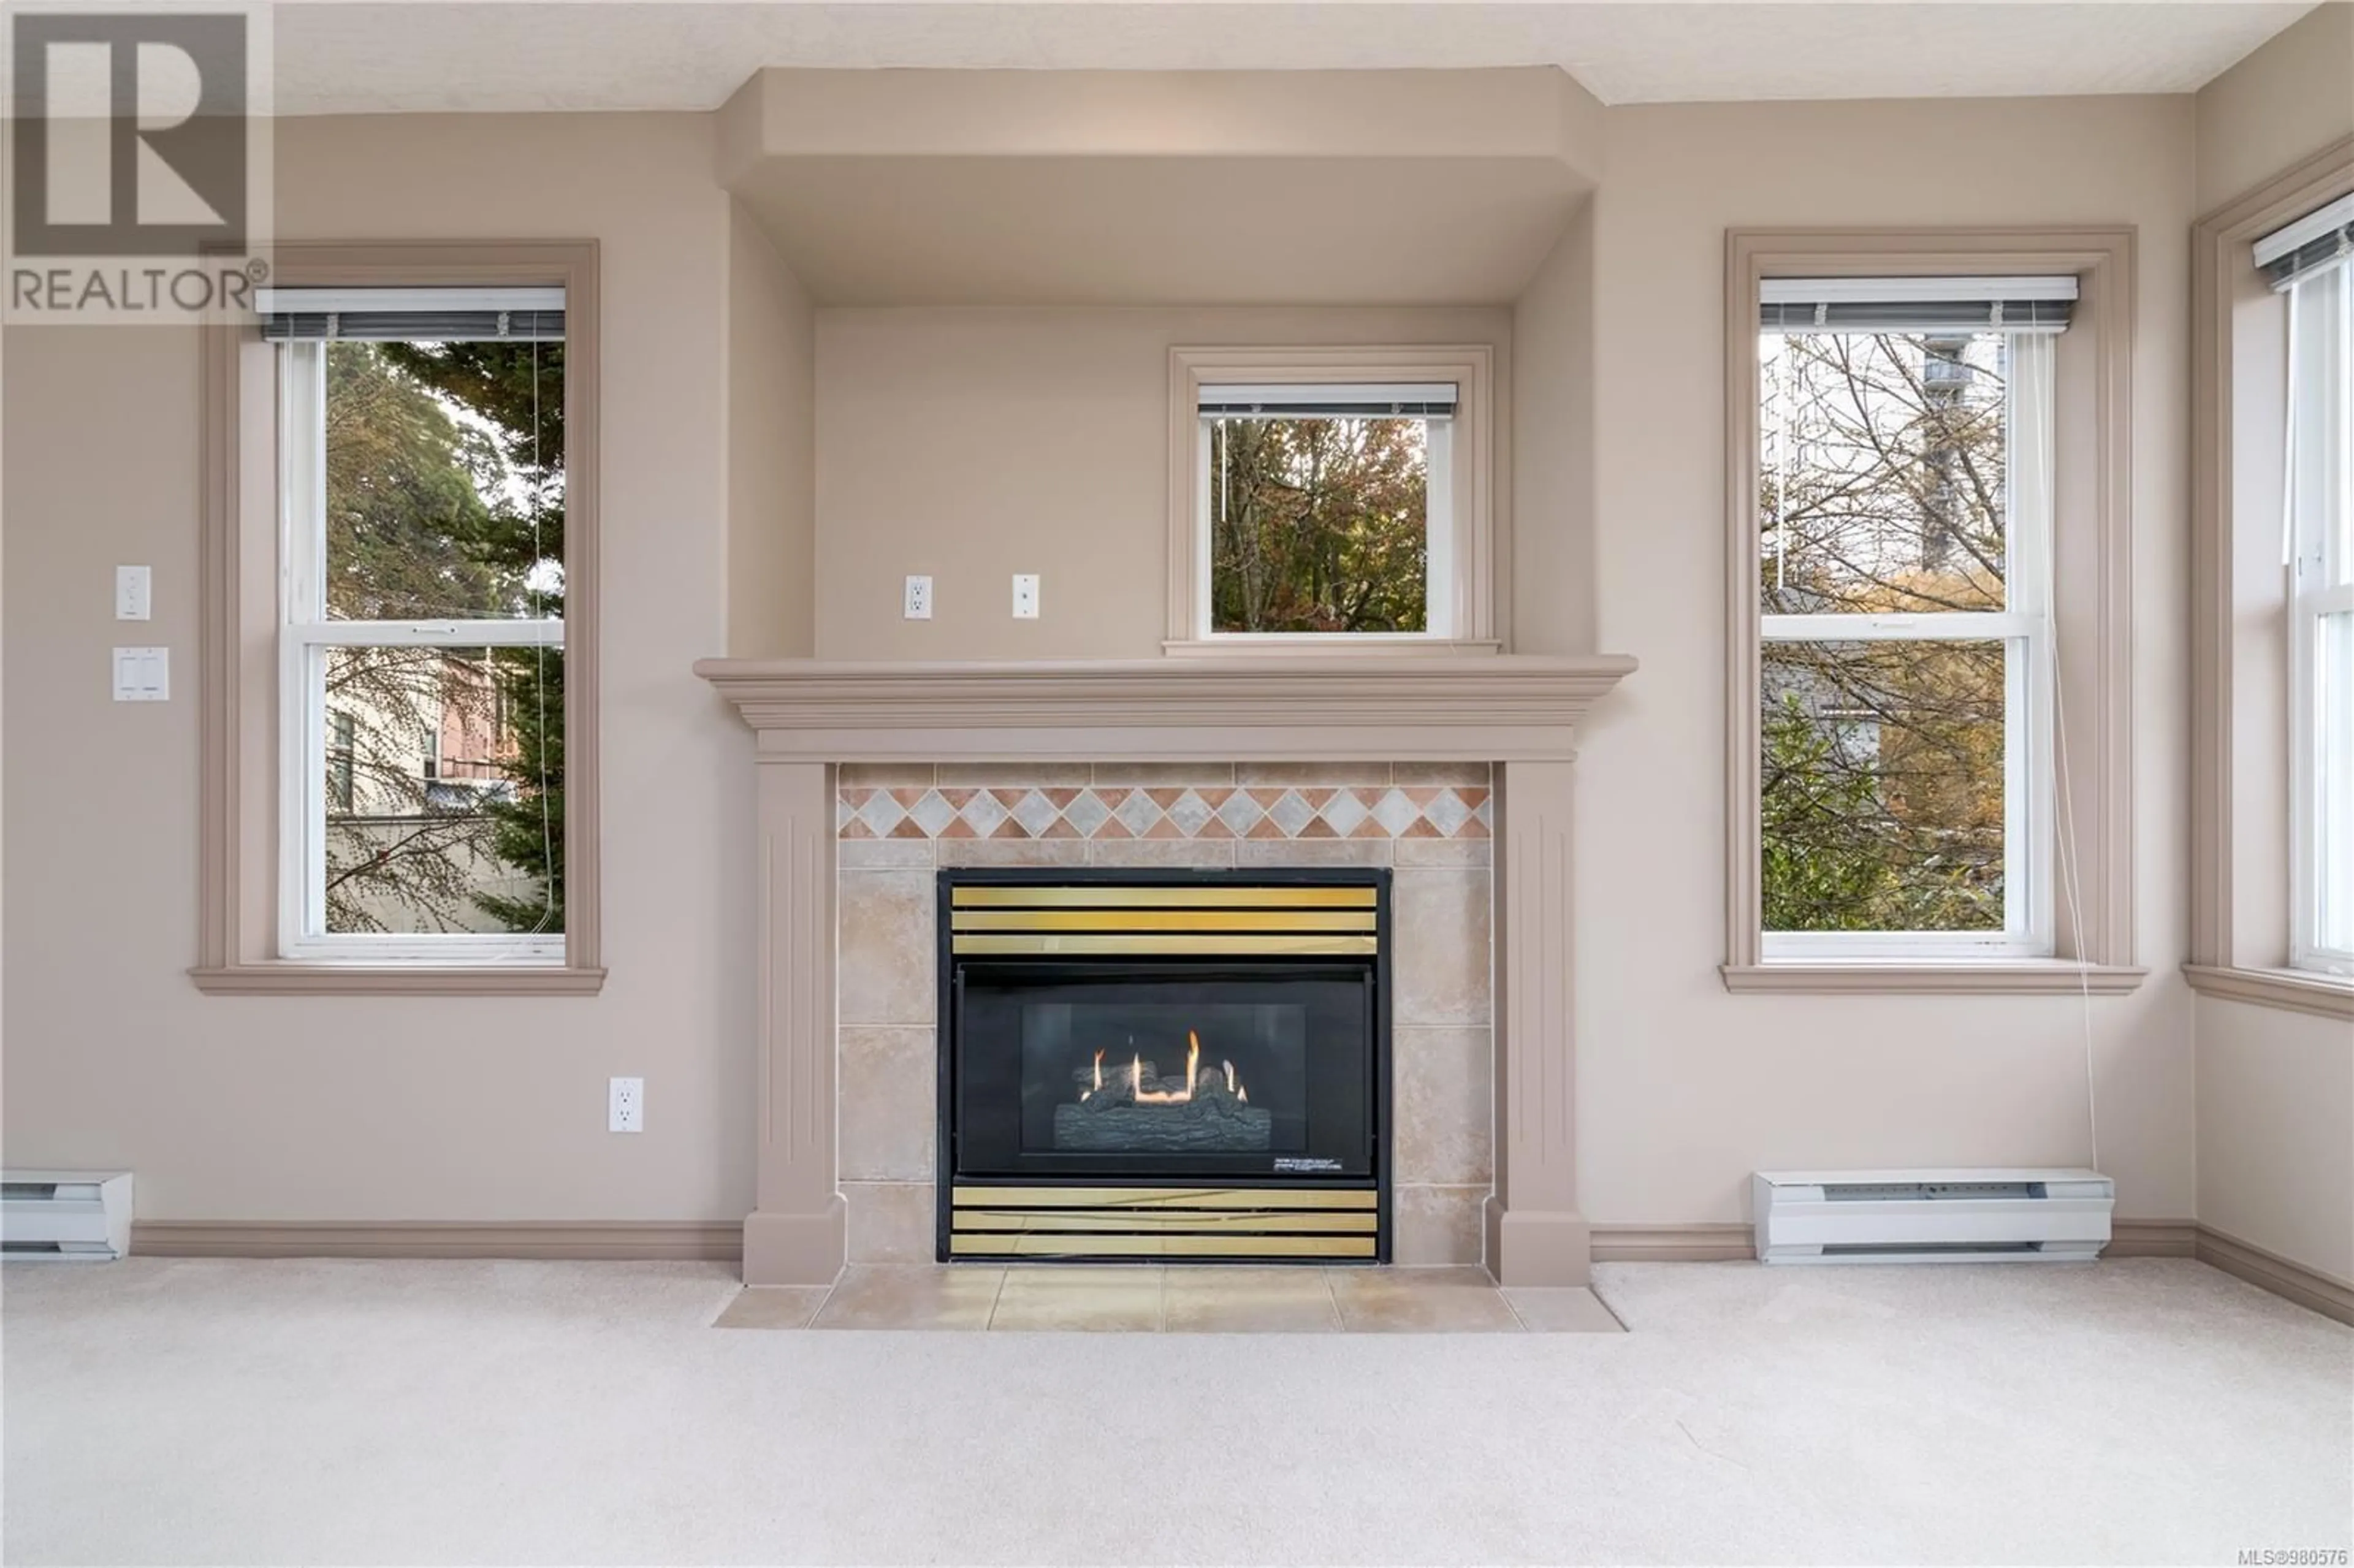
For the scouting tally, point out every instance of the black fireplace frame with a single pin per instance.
(1380, 1105)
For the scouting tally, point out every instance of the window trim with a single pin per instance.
(1474, 551)
(239, 860)
(2091, 584)
(2223, 277)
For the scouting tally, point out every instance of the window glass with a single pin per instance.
(1904, 483)
(425, 641)
(1320, 523)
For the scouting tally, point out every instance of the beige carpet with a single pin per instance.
(2145, 1411)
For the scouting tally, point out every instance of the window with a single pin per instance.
(2270, 784)
(422, 449)
(397, 664)
(2309, 261)
(1326, 508)
(1927, 737)
(1904, 599)
(1328, 499)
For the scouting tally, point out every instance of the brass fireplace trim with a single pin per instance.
(1147, 918)
(1039, 1198)
(1144, 1222)
(1161, 1246)
(1119, 896)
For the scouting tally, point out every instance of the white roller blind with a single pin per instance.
(1916, 305)
(2318, 239)
(438, 315)
(1305, 399)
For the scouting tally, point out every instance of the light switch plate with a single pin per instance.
(133, 598)
(920, 599)
(143, 674)
(1025, 595)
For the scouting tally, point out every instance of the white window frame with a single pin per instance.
(2025, 627)
(1463, 561)
(2319, 494)
(305, 635)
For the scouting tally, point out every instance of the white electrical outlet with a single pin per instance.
(1025, 595)
(625, 1106)
(920, 599)
(132, 599)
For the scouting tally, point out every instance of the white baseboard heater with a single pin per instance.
(1931, 1216)
(65, 1216)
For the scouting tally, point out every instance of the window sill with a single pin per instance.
(2294, 991)
(1327, 645)
(1956, 977)
(396, 980)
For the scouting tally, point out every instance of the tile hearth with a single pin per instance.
(1152, 1298)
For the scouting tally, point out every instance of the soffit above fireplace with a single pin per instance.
(1507, 708)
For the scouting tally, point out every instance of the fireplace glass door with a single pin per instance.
(1172, 1070)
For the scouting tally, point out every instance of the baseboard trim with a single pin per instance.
(2152, 1238)
(1674, 1243)
(2294, 1282)
(700, 1241)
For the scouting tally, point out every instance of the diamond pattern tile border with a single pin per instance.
(1197, 812)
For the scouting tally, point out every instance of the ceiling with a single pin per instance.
(334, 57)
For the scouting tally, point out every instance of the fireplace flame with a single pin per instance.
(1145, 1097)
(1093, 1079)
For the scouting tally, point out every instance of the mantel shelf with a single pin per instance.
(1507, 708)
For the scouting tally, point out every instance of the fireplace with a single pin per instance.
(1140, 1066)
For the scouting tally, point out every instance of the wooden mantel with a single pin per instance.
(1519, 712)
(1503, 709)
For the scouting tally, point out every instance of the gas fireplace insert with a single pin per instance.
(1161, 1065)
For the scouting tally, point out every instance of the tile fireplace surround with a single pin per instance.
(1455, 770)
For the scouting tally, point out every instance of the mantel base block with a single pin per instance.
(796, 1249)
(1535, 1247)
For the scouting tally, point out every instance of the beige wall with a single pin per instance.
(2276, 1132)
(357, 1109)
(2284, 101)
(969, 445)
(2275, 1120)
(771, 346)
(1684, 1089)
(1552, 463)
(924, 435)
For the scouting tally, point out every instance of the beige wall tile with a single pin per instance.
(1421, 1300)
(1439, 854)
(1029, 775)
(1454, 773)
(1014, 851)
(890, 1094)
(884, 774)
(1437, 1224)
(1310, 773)
(890, 1222)
(1445, 1100)
(1442, 967)
(773, 1307)
(871, 1296)
(1312, 851)
(1228, 1300)
(1212, 855)
(1080, 1299)
(883, 855)
(1154, 775)
(884, 965)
